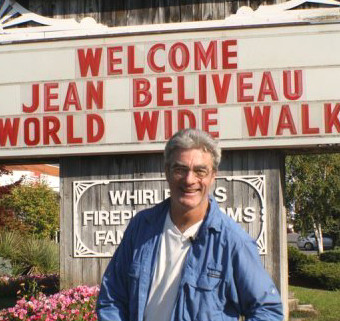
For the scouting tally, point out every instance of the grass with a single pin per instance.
(327, 303)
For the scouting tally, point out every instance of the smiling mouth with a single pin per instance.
(190, 191)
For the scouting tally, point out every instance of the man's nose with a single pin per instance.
(190, 177)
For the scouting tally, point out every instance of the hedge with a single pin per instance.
(308, 270)
(296, 259)
(331, 256)
(322, 275)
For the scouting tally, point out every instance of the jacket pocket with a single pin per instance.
(202, 296)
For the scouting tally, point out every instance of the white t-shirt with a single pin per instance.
(167, 276)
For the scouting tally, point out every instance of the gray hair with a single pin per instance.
(192, 139)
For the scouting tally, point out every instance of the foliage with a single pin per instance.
(297, 259)
(39, 256)
(325, 302)
(331, 256)
(10, 244)
(28, 285)
(309, 271)
(322, 275)
(7, 217)
(35, 205)
(313, 192)
(5, 267)
(28, 254)
(73, 305)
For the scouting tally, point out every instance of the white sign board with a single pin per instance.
(97, 231)
(250, 88)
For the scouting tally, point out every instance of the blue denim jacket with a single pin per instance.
(222, 277)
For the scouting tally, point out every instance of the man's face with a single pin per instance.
(190, 177)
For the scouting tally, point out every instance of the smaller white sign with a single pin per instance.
(97, 232)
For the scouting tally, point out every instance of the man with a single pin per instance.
(184, 260)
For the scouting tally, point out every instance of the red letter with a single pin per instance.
(226, 54)
(267, 87)
(161, 91)
(131, 62)
(241, 87)
(258, 119)
(181, 93)
(35, 100)
(91, 120)
(141, 88)
(51, 131)
(72, 97)
(111, 61)
(145, 124)
(332, 118)
(202, 89)
(151, 57)
(207, 122)
(70, 134)
(94, 95)
(36, 131)
(206, 56)
(221, 90)
(9, 131)
(89, 60)
(287, 88)
(167, 124)
(184, 113)
(305, 121)
(185, 56)
(48, 96)
(285, 121)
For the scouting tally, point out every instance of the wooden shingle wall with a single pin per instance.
(126, 13)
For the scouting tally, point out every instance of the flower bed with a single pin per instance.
(11, 286)
(72, 305)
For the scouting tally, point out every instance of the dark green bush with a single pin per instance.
(297, 259)
(322, 275)
(331, 256)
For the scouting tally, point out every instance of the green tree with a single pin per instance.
(8, 219)
(313, 193)
(36, 205)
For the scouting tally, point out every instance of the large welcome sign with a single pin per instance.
(249, 88)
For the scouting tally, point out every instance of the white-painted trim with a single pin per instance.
(49, 28)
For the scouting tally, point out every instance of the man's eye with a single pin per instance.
(180, 170)
(202, 172)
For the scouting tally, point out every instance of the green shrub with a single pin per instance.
(331, 256)
(39, 256)
(29, 255)
(36, 205)
(5, 267)
(321, 275)
(10, 244)
(297, 259)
